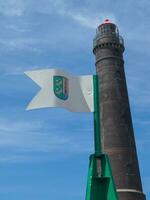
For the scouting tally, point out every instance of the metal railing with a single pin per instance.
(99, 36)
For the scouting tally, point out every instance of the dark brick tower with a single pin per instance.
(116, 123)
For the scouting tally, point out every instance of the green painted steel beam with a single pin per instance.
(100, 183)
(97, 129)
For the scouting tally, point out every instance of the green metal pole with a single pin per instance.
(100, 183)
(97, 128)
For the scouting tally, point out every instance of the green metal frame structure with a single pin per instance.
(100, 183)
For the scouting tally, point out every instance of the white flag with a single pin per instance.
(60, 89)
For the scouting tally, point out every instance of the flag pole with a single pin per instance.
(100, 183)
(97, 128)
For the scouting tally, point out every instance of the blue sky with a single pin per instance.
(44, 153)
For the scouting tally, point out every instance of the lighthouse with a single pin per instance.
(116, 123)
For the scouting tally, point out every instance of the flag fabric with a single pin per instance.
(60, 89)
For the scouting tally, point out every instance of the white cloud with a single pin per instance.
(90, 20)
(25, 141)
(12, 7)
(6, 125)
(87, 19)
(20, 44)
(83, 15)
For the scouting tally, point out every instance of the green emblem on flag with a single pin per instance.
(61, 87)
